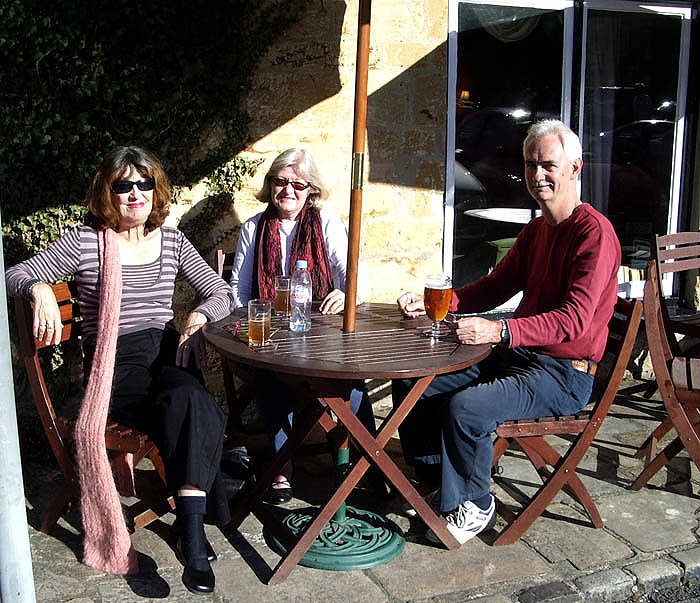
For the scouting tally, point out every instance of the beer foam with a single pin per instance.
(438, 284)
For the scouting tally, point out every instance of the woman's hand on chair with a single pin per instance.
(47, 326)
(192, 341)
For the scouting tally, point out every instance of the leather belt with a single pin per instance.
(585, 366)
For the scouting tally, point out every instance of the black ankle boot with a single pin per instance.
(197, 575)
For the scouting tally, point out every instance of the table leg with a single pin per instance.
(338, 537)
(373, 450)
(247, 502)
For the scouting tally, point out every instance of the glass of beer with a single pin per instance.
(282, 307)
(259, 322)
(437, 296)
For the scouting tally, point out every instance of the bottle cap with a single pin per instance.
(301, 264)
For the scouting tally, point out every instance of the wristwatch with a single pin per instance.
(505, 333)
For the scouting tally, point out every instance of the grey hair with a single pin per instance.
(568, 138)
(304, 165)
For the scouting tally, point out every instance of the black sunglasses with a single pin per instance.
(297, 185)
(124, 186)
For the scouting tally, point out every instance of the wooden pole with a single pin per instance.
(358, 160)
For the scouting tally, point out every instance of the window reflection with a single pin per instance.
(508, 76)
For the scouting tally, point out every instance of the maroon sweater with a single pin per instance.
(568, 276)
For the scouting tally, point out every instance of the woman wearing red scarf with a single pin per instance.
(293, 227)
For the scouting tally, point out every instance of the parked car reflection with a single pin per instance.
(488, 155)
(627, 175)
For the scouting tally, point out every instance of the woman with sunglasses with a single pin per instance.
(125, 262)
(293, 227)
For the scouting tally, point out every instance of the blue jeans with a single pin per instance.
(453, 421)
(274, 400)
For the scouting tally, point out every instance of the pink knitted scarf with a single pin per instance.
(106, 543)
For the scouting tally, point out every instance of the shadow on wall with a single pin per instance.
(406, 125)
(84, 76)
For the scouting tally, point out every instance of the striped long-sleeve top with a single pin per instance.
(147, 289)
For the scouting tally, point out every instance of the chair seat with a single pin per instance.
(545, 425)
(685, 325)
(118, 437)
(558, 471)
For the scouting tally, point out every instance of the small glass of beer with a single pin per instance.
(282, 307)
(259, 322)
(437, 297)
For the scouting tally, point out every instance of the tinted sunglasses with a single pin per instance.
(297, 185)
(124, 186)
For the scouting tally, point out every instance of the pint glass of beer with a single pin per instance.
(259, 324)
(436, 297)
(282, 307)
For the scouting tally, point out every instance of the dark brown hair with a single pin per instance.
(102, 202)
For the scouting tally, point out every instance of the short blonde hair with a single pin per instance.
(304, 164)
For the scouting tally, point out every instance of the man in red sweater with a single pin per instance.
(565, 263)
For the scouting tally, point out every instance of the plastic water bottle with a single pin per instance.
(300, 298)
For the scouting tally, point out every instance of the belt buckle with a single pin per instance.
(580, 365)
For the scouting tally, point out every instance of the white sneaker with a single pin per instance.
(466, 521)
(433, 500)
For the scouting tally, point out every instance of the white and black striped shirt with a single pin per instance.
(147, 289)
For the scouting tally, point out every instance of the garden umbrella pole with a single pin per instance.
(358, 158)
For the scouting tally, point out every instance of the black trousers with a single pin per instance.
(173, 407)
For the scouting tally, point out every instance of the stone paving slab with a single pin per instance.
(690, 562)
(423, 570)
(579, 543)
(655, 574)
(651, 520)
(606, 585)
(649, 540)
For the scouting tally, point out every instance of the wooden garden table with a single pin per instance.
(320, 365)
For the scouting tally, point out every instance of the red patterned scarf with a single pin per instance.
(309, 244)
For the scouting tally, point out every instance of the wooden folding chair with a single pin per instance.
(675, 253)
(530, 434)
(59, 429)
(678, 379)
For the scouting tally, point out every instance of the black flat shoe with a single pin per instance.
(198, 581)
(211, 553)
(278, 496)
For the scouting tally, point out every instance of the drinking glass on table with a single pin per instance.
(282, 306)
(259, 322)
(437, 296)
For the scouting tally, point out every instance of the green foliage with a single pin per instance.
(27, 234)
(229, 177)
(222, 185)
(80, 77)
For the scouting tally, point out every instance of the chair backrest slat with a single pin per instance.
(622, 335)
(224, 264)
(71, 319)
(660, 348)
(677, 252)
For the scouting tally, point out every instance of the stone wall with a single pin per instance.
(404, 167)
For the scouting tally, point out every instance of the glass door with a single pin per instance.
(510, 64)
(633, 89)
(513, 67)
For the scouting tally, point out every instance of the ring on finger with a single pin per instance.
(49, 327)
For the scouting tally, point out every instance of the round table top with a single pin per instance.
(383, 346)
(514, 215)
